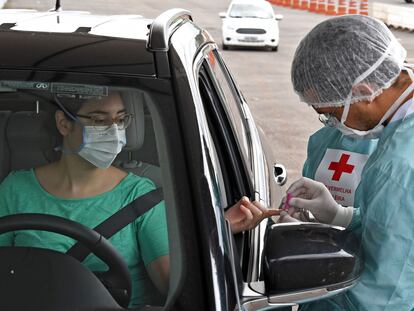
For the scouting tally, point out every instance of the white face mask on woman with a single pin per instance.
(376, 131)
(101, 144)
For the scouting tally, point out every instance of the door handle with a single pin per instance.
(280, 174)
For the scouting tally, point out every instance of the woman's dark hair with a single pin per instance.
(70, 106)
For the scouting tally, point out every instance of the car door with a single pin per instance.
(227, 156)
(255, 161)
(213, 175)
(236, 137)
(228, 170)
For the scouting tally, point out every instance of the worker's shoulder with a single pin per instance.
(397, 143)
(393, 158)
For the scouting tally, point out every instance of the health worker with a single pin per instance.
(351, 70)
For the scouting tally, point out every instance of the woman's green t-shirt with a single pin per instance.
(139, 243)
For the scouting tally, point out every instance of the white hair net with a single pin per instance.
(345, 60)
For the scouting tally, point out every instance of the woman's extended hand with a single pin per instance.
(245, 215)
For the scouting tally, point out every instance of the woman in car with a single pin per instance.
(83, 186)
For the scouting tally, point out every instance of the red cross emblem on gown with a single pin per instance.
(341, 167)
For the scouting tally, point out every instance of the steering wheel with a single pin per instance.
(116, 278)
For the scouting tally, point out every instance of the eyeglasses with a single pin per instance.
(328, 119)
(100, 121)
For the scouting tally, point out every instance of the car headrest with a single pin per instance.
(134, 103)
(31, 137)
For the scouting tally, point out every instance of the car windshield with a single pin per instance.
(44, 125)
(250, 10)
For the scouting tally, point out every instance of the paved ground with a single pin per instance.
(262, 75)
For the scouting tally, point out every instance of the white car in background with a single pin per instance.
(250, 23)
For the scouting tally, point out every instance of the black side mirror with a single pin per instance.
(302, 256)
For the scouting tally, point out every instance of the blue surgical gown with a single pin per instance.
(385, 197)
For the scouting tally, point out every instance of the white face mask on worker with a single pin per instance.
(101, 145)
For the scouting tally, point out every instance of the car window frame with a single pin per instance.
(246, 157)
(247, 243)
(229, 155)
(252, 246)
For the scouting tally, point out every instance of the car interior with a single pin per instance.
(29, 138)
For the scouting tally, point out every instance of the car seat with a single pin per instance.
(31, 137)
(139, 154)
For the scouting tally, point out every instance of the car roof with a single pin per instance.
(260, 2)
(120, 26)
(82, 42)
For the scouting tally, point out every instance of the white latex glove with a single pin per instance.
(294, 215)
(315, 197)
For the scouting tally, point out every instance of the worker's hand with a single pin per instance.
(245, 215)
(294, 215)
(313, 196)
(289, 216)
